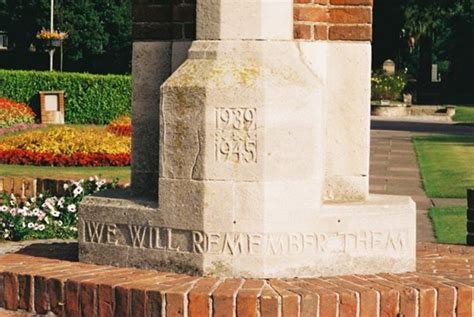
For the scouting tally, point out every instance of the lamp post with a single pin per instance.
(51, 27)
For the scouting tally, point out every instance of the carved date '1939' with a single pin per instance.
(236, 135)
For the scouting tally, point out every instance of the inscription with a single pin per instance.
(236, 135)
(236, 244)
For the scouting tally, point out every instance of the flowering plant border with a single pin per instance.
(46, 216)
(26, 157)
(12, 113)
(121, 126)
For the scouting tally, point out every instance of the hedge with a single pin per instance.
(89, 99)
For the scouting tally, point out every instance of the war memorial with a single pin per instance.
(250, 179)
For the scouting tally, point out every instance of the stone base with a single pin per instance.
(375, 236)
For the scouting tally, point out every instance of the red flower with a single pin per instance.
(24, 157)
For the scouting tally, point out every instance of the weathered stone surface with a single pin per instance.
(263, 161)
(153, 63)
(323, 241)
(235, 19)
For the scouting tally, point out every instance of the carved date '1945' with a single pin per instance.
(236, 135)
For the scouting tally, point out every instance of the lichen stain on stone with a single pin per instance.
(219, 268)
(248, 75)
(288, 75)
(181, 128)
(186, 75)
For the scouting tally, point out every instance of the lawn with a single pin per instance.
(446, 164)
(464, 114)
(449, 223)
(122, 173)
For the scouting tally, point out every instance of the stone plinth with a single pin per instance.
(344, 238)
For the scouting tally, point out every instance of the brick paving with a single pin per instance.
(34, 285)
(394, 171)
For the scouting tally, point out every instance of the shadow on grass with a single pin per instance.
(426, 127)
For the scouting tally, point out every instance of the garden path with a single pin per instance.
(394, 169)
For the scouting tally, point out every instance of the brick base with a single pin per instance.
(443, 286)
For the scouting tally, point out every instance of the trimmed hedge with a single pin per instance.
(89, 99)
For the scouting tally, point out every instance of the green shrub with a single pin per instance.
(89, 99)
(386, 87)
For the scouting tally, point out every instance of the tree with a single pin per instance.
(443, 28)
(99, 31)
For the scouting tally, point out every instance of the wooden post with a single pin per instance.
(470, 217)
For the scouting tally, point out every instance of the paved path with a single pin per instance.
(394, 169)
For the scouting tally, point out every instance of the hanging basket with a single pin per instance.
(48, 45)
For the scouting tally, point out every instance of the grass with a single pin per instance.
(446, 164)
(449, 223)
(122, 173)
(464, 114)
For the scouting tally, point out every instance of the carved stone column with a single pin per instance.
(257, 176)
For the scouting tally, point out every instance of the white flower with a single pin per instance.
(51, 200)
(71, 208)
(91, 179)
(3, 208)
(23, 225)
(77, 191)
(73, 229)
(55, 213)
(41, 215)
(46, 220)
(65, 186)
(27, 204)
(30, 225)
(6, 235)
(61, 202)
(41, 227)
(23, 211)
(13, 212)
(40, 195)
(33, 199)
(12, 197)
(49, 206)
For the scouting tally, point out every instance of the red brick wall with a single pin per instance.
(442, 286)
(163, 20)
(349, 20)
(313, 20)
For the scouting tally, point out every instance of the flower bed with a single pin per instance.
(121, 126)
(46, 216)
(66, 146)
(388, 87)
(21, 127)
(12, 113)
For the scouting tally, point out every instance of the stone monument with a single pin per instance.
(389, 67)
(263, 157)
